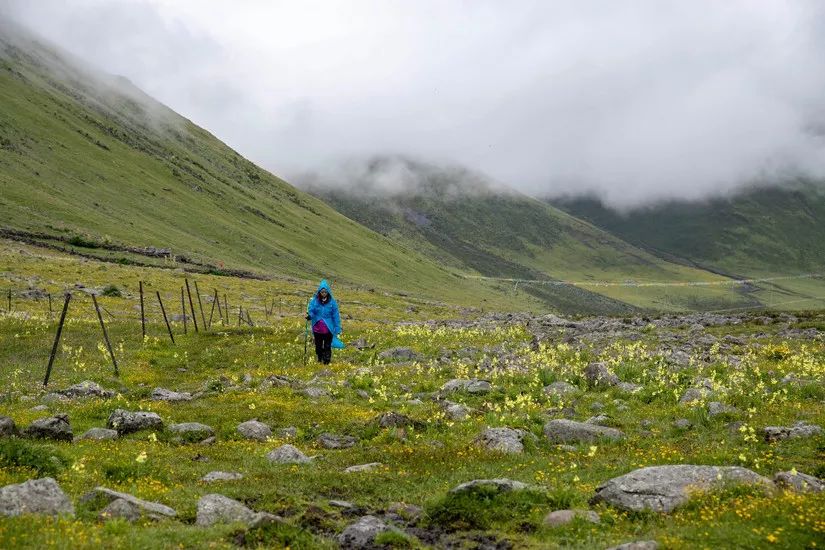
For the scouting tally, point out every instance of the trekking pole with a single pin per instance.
(306, 335)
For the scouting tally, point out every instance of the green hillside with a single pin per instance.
(90, 163)
(762, 232)
(464, 221)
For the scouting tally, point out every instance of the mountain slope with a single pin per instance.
(89, 160)
(762, 232)
(464, 221)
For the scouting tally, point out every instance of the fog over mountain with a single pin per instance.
(634, 102)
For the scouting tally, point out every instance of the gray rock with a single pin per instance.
(502, 485)
(560, 389)
(394, 420)
(39, 408)
(682, 424)
(7, 427)
(288, 432)
(342, 504)
(599, 376)
(599, 420)
(36, 496)
(162, 394)
(570, 431)
(471, 386)
(664, 488)
(362, 533)
(221, 476)
(252, 429)
(505, 440)
(404, 511)
(126, 422)
(101, 496)
(799, 482)
(693, 395)
(637, 545)
(456, 411)
(800, 429)
(398, 354)
(628, 387)
(279, 381)
(54, 427)
(120, 509)
(84, 389)
(679, 358)
(558, 518)
(362, 467)
(315, 392)
(332, 441)
(215, 508)
(192, 432)
(287, 454)
(99, 434)
(715, 408)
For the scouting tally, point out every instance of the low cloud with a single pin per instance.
(634, 102)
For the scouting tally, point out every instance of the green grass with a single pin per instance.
(420, 464)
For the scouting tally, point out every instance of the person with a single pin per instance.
(322, 313)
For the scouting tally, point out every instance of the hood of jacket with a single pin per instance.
(324, 285)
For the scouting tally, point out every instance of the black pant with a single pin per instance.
(323, 347)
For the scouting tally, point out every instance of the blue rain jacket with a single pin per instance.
(328, 313)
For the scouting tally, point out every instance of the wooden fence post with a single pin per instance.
(191, 306)
(183, 309)
(142, 313)
(166, 319)
(200, 306)
(57, 338)
(105, 334)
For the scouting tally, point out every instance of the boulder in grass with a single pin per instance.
(54, 427)
(394, 420)
(221, 476)
(162, 394)
(362, 533)
(86, 389)
(798, 430)
(252, 429)
(215, 508)
(287, 454)
(101, 498)
(36, 496)
(560, 389)
(398, 355)
(126, 422)
(470, 386)
(598, 376)
(571, 431)
(557, 518)
(637, 545)
(99, 434)
(362, 468)
(7, 427)
(504, 440)
(332, 441)
(120, 509)
(664, 488)
(192, 432)
(799, 482)
(501, 485)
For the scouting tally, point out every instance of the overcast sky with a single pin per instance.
(636, 101)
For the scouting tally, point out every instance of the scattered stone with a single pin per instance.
(558, 518)
(332, 441)
(252, 429)
(502, 485)
(162, 394)
(215, 508)
(560, 389)
(398, 354)
(221, 476)
(278, 380)
(54, 427)
(715, 408)
(36, 496)
(664, 488)
(362, 533)
(404, 511)
(799, 482)
(101, 496)
(126, 422)
(84, 389)
(692, 395)
(679, 358)
(287, 454)
(99, 434)
(192, 432)
(456, 411)
(682, 424)
(361, 344)
(505, 440)
(288, 432)
(629, 387)
(800, 429)
(598, 376)
(599, 420)
(39, 408)
(120, 509)
(343, 504)
(637, 545)
(471, 386)
(314, 392)
(394, 420)
(363, 467)
(7, 427)
(570, 431)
